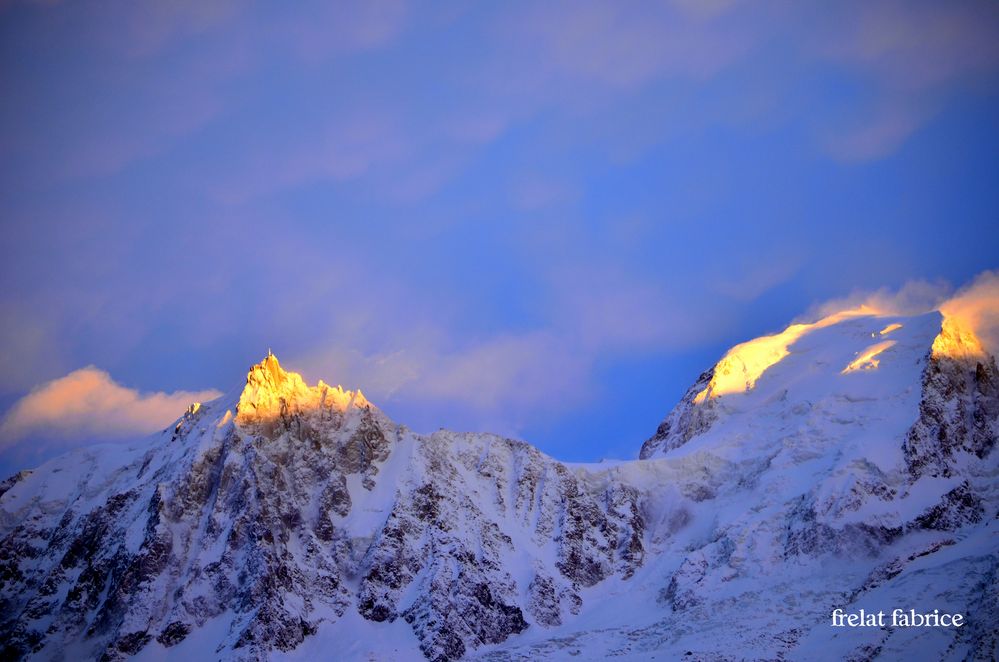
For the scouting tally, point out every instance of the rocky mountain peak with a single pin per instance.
(271, 392)
(841, 464)
(956, 340)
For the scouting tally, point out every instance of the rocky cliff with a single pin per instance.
(845, 463)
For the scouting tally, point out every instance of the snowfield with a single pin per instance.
(849, 463)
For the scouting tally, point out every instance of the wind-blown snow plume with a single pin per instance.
(977, 306)
(286, 520)
(973, 307)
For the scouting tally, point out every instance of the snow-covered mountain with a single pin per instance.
(846, 464)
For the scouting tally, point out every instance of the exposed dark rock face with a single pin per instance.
(264, 515)
(546, 604)
(958, 413)
(683, 590)
(428, 531)
(12, 481)
(173, 633)
(808, 536)
(863, 510)
(958, 507)
(687, 419)
(982, 635)
(891, 569)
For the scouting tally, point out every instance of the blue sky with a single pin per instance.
(538, 219)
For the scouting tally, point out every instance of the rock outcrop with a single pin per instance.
(845, 464)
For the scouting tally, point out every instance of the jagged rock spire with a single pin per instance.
(271, 390)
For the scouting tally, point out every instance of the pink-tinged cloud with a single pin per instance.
(977, 306)
(89, 404)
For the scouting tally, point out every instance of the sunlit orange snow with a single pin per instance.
(867, 360)
(743, 365)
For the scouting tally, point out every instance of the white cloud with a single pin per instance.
(89, 404)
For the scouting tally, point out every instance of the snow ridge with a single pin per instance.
(852, 465)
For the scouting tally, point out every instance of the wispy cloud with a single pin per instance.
(348, 145)
(30, 348)
(88, 404)
(534, 192)
(508, 377)
(914, 55)
(913, 46)
(746, 279)
(473, 206)
(877, 133)
(914, 297)
(328, 28)
(977, 305)
(627, 45)
(496, 384)
(908, 60)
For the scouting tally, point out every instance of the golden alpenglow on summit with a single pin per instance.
(271, 392)
(680, 319)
